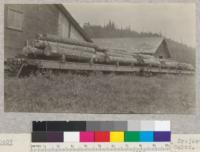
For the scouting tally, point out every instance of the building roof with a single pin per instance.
(74, 22)
(147, 45)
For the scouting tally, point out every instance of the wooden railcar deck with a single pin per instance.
(76, 66)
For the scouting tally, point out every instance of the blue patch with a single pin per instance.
(146, 136)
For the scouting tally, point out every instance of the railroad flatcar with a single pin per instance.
(185, 66)
(76, 52)
(150, 61)
(169, 64)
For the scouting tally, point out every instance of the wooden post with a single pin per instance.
(20, 70)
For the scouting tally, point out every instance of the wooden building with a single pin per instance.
(24, 21)
(156, 46)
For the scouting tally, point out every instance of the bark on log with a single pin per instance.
(55, 38)
(69, 46)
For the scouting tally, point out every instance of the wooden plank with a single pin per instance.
(46, 64)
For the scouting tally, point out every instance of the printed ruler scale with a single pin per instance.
(22, 143)
(101, 147)
(101, 136)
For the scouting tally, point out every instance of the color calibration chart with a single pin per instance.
(100, 136)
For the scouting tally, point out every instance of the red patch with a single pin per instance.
(102, 136)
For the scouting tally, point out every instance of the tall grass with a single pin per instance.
(100, 93)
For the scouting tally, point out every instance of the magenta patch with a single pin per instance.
(87, 136)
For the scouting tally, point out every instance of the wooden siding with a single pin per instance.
(63, 26)
(162, 51)
(75, 34)
(36, 19)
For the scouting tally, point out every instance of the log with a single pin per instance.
(55, 38)
(185, 66)
(35, 53)
(118, 55)
(69, 46)
(152, 61)
(120, 52)
(31, 50)
(100, 57)
(122, 60)
(73, 54)
(169, 63)
(39, 44)
(70, 52)
(56, 51)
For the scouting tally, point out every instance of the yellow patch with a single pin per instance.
(116, 136)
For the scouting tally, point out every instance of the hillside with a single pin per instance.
(110, 35)
(110, 30)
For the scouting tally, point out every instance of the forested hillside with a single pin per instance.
(181, 52)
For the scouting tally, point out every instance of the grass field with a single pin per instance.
(100, 93)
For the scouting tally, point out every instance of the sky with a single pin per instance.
(176, 20)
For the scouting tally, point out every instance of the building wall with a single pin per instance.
(63, 26)
(36, 19)
(67, 30)
(162, 51)
(75, 34)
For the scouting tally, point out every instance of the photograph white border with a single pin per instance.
(11, 122)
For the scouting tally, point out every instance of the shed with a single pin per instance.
(24, 21)
(155, 46)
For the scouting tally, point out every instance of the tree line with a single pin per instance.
(110, 30)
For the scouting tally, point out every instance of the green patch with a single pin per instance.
(132, 136)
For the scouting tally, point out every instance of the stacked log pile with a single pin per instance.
(59, 49)
(51, 47)
(151, 61)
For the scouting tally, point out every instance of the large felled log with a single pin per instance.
(147, 60)
(152, 62)
(69, 52)
(68, 46)
(101, 57)
(169, 63)
(119, 52)
(55, 38)
(118, 55)
(73, 54)
(185, 66)
(115, 52)
(32, 50)
(122, 60)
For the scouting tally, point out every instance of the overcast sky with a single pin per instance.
(176, 21)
